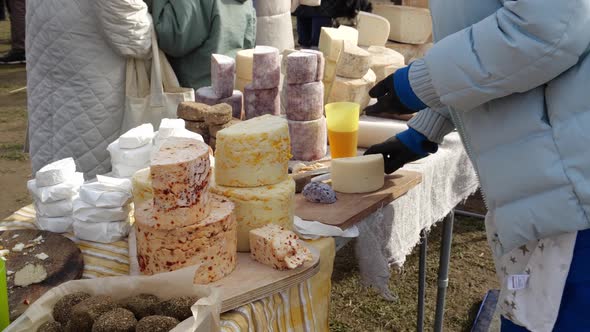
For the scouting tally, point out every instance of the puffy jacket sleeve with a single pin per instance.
(127, 26)
(182, 25)
(524, 44)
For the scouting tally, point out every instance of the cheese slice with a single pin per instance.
(354, 62)
(244, 64)
(253, 153)
(385, 61)
(373, 29)
(410, 25)
(361, 174)
(353, 90)
(275, 246)
(260, 206)
(332, 40)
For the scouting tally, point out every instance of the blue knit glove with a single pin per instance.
(403, 148)
(395, 95)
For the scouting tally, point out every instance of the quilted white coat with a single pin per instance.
(76, 56)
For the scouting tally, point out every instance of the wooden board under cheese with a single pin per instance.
(63, 263)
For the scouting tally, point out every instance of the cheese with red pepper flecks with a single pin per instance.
(180, 172)
(253, 153)
(210, 242)
(275, 246)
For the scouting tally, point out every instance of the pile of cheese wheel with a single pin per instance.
(223, 74)
(305, 104)
(262, 95)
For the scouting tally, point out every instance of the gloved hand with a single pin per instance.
(403, 148)
(395, 95)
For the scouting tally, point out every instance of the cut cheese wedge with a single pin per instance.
(353, 90)
(373, 29)
(354, 62)
(408, 25)
(277, 247)
(357, 175)
(332, 40)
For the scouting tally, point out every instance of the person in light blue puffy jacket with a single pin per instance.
(513, 78)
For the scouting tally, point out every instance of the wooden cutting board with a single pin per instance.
(253, 281)
(64, 263)
(349, 209)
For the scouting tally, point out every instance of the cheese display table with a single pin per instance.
(302, 308)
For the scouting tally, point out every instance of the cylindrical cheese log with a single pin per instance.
(361, 174)
(142, 186)
(353, 90)
(180, 173)
(223, 70)
(207, 96)
(261, 102)
(309, 139)
(244, 63)
(354, 62)
(385, 61)
(192, 111)
(321, 63)
(266, 68)
(260, 206)
(305, 102)
(275, 31)
(211, 243)
(253, 153)
(301, 68)
(270, 8)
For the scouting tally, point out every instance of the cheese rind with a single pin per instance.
(253, 153)
(354, 62)
(267, 68)
(223, 71)
(258, 102)
(180, 173)
(353, 90)
(309, 139)
(320, 63)
(210, 243)
(259, 206)
(192, 111)
(301, 67)
(361, 174)
(409, 25)
(305, 102)
(55, 173)
(373, 29)
(275, 246)
(218, 114)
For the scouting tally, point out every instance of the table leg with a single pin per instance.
(443, 270)
(422, 279)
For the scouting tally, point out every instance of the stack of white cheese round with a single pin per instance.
(305, 105)
(131, 152)
(54, 189)
(101, 211)
(273, 23)
(252, 171)
(178, 222)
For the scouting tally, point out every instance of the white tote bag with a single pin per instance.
(149, 99)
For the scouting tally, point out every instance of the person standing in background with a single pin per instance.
(16, 55)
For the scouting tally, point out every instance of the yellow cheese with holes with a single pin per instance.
(357, 175)
(259, 206)
(253, 153)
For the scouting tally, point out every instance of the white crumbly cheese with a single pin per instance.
(373, 29)
(244, 64)
(409, 25)
(353, 90)
(42, 256)
(354, 62)
(271, 8)
(361, 174)
(253, 153)
(30, 274)
(275, 246)
(18, 247)
(332, 40)
(137, 137)
(259, 206)
(55, 173)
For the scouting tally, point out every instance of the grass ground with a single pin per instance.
(353, 308)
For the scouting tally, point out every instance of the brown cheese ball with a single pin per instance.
(51, 327)
(117, 320)
(85, 313)
(219, 114)
(177, 307)
(142, 305)
(192, 111)
(156, 324)
(63, 308)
